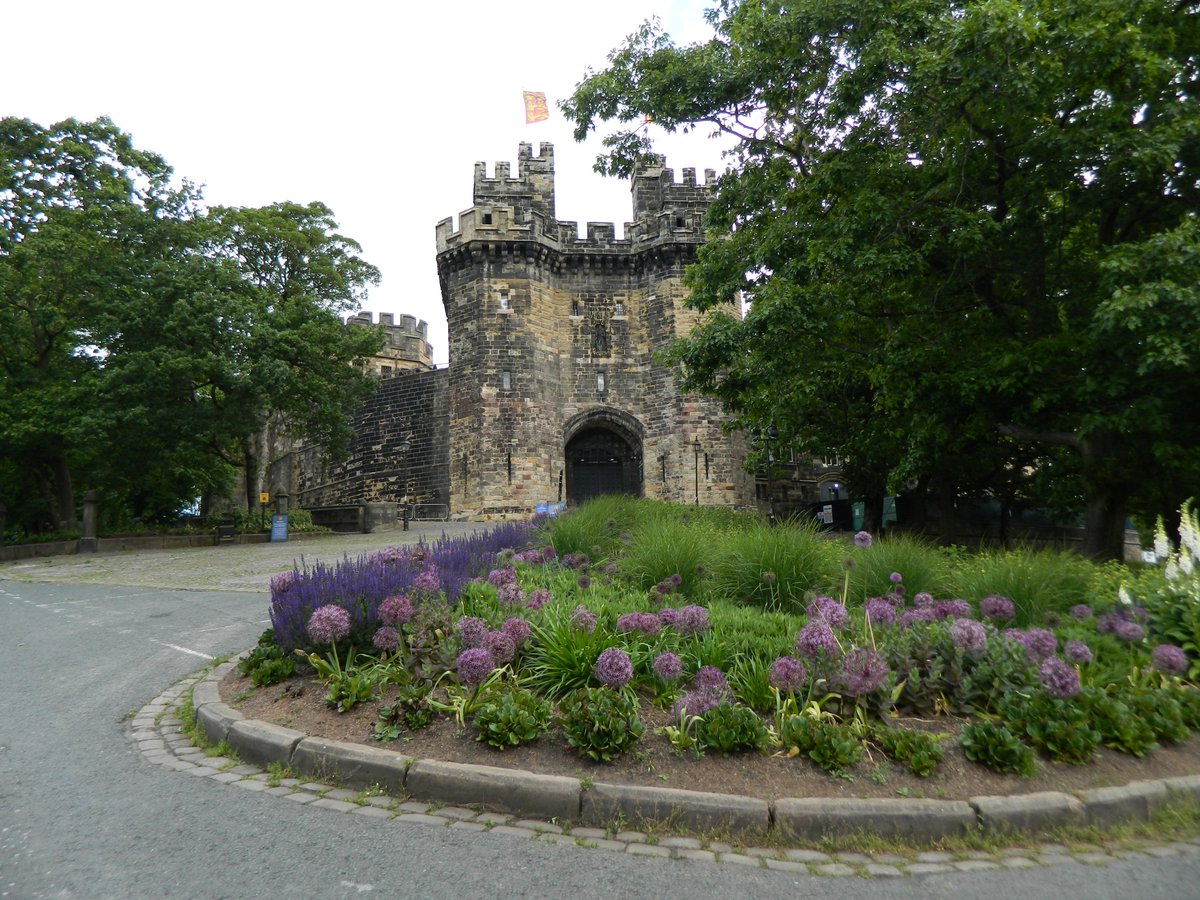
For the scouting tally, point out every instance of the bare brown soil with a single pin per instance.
(297, 704)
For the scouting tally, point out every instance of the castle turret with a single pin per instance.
(556, 391)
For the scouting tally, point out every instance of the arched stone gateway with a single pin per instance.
(603, 455)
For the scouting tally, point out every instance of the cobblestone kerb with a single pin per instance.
(562, 810)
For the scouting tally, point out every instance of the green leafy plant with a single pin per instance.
(683, 736)
(1160, 710)
(1059, 728)
(600, 723)
(411, 710)
(992, 745)
(833, 747)
(729, 728)
(919, 750)
(267, 663)
(512, 718)
(346, 686)
(1120, 728)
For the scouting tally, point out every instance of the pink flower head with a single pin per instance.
(862, 539)
(328, 624)
(474, 665)
(613, 668)
(395, 611)
(787, 674)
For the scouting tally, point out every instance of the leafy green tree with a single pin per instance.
(145, 343)
(968, 227)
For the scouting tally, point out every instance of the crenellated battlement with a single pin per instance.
(405, 347)
(522, 208)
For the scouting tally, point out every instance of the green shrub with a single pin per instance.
(1160, 710)
(922, 566)
(411, 710)
(919, 750)
(267, 663)
(833, 747)
(665, 546)
(562, 656)
(729, 728)
(1039, 582)
(1120, 728)
(512, 718)
(994, 746)
(774, 568)
(1059, 728)
(600, 723)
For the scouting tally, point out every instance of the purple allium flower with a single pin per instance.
(787, 674)
(917, 614)
(575, 560)
(816, 640)
(895, 578)
(1077, 652)
(1001, 609)
(646, 623)
(880, 611)
(1169, 659)
(662, 588)
(710, 678)
(502, 647)
(472, 631)
(676, 580)
(386, 638)
(474, 665)
(830, 611)
(1081, 611)
(500, 577)
(328, 624)
(698, 702)
(922, 598)
(517, 629)
(693, 619)
(862, 539)
(613, 668)
(1040, 644)
(863, 672)
(969, 635)
(952, 609)
(1106, 621)
(429, 581)
(1129, 631)
(669, 616)
(548, 553)
(584, 581)
(395, 610)
(583, 619)
(537, 598)
(769, 578)
(283, 582)
(668, 666)
(510, 594)
(1059, 678)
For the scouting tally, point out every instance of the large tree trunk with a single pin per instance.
(250, 466)
(1104, 522)
(64, 494)
(947, 497)
(1104, 526)
(872, 513)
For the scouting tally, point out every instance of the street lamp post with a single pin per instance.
(772, 434)
(696, 447)
(405, 446)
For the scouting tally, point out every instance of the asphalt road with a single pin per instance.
(83, 815)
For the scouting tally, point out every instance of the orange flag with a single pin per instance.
(536, 109)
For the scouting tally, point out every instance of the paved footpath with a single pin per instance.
(102, 796)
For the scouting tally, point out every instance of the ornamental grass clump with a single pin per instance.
(796, 557)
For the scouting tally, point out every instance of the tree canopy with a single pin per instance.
(966, 232)
(146, 340)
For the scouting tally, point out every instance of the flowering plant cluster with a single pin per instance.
(494, 624)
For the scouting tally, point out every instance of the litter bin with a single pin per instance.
(225, 532)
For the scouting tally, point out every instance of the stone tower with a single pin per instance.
(555, 387)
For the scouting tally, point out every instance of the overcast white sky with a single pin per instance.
(378, 109)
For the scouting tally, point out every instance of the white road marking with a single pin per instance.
(183, 649)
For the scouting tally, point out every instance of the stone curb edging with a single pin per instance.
(597, 803)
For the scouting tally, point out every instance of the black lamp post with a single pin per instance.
(405, 446)
(772, 434)
(696, 447)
